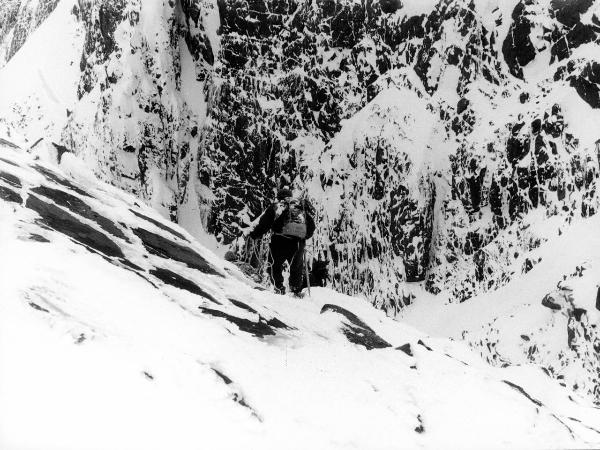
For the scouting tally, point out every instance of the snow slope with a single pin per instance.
(38, 87)
(119, 331)
(548, 316)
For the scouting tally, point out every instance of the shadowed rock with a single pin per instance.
(63, 222)
(37, 238)
(522, 391)
(78, 206)
(159, 225)
(406, 349)
(242, 305)
(9, 195)
(8, 144)
(550, 302)
(176, 280)
(423, 344)
(236, 396)
(38, 307)
(259, 329)
(356, 331)
(9, 162)
(273, 322)
(222, 376)
(517, 48)
(587, 84)
(60, 151)
(165, 248)
(10, 179)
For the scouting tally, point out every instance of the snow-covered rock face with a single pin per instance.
(141, 95)
(424, 131)
(117, 324)
(299, 90)
(434, 137)
(18, 19)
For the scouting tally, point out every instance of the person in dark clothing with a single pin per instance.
(292, 224)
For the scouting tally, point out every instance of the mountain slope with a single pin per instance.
(547, 317)
(118, 330)
(204, 108)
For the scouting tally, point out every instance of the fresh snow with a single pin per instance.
(38, 86)
(97, 355)
(92, 356)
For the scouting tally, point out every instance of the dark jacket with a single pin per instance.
(268, 222)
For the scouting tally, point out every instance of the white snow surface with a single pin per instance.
(94, 356)
(39, 86)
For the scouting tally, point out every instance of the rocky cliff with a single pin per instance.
(424, 131)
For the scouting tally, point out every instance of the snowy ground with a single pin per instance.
(103, 352)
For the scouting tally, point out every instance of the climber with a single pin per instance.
(292, 224)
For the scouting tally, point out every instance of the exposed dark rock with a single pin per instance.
(259, 329)
(36, 143)
(406, 349)
(173, 279)
(587, 84)
(462, 105)
(273, 322)
(578, 313)
(10, 179)
(568, 12)
(236, 395)
(420, 342)
(598, 299)
(355, 330)
(8, 144)
(390, 6)
(60, 151)
(527, 265)
(421, 427)
(549, 302)
(160, 225)
(37, 238)
(9, 162)
(38, 307)
(78, 206)
(517, 148)
(58, 219)
(517, 47)
(9, 195)
(242, 305)
(222, 376)
(125, 262)
(196, 39)
(519, 389)
(165, 248)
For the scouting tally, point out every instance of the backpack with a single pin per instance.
(294, 219)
